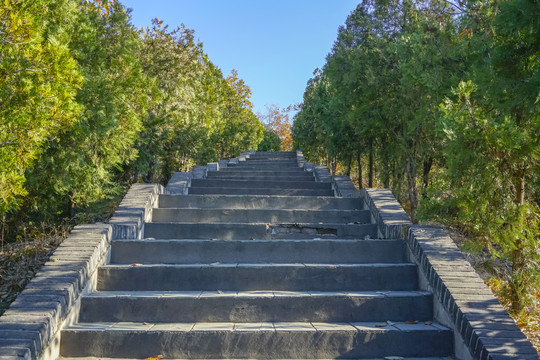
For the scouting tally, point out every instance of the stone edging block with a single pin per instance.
(392, 221)
(475, 315)
(30, 328)
(484, 325)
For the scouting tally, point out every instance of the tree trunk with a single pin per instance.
(360, 182)
(370, 173)
(518, 257)
(410, 169)
(349, 166)
(425, 177)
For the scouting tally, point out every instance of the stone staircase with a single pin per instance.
(258, 261)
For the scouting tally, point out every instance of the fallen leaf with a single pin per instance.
(135, 264)
(157, 357)
(411, 322)
(390, 323)
(428, 322)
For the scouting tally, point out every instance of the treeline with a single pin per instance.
(89, 104)
(440, 101)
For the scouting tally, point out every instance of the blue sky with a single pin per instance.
(274, 44)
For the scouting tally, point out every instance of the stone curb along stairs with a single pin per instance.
(263, 256)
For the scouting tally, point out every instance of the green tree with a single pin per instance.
(38, 83)
(80, 166)
(270, 141)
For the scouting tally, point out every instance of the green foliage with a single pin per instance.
(38, 82)
(88, 104)
(270, 141)
(445, 99)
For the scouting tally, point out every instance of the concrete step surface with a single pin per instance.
(251, 277)
(254, 169)
(257, 231)
(260, 184)
(258, 202)
(260, 216)
(256, 306)
(262, 191)
(262, 340)
(266, 174)
(156, 251)
(250, 177)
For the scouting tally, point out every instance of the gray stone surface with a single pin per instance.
(179, 183)
(204, 342)
(293, 277)
(257, 251)
(261, 216)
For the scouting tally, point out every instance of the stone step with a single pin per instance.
(291, 162)
(270, 216)
(256, 306)
(256, 340)
(249, 177)
(108, 358)
(257, 251)
(258, 202)
(261, 191)
(250, 277)
(254, 167)
(258, 231)
(276, 171)
(264, 184)
(279, 175)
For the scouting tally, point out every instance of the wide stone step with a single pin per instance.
(269, 175)
(258, 202)
(260, 191)
(256, 340)
(249, 277)
(256, 306)
(260, 216)
(287, 162)
(284, 172)
(265, 184)
(257, 251)
(250, 177)
(260, 231)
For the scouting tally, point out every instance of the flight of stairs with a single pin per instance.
(258, 261)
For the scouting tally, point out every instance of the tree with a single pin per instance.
(277, 119)
(38, 83)
(270, 141)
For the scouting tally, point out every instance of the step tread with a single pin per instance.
(253, 294)
(261, 265)
(388, 326)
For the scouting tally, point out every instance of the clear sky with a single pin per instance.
(274, 44)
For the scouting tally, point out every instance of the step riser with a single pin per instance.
(255, 252)
(241, 184)
(257, 277)
(260, 216)
(258, 202)
(293, 175)
(251, 169)
(242, 177)
(225, 231)
(261, 344)
(270, 309)
(279, 192)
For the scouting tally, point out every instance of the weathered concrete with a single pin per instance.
(260, 215)
(257, 251)
(289, 277)
(258, 340)
(259, 202)
(256, 306)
